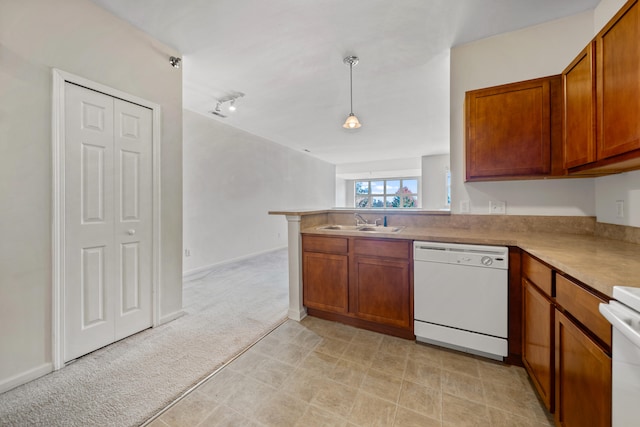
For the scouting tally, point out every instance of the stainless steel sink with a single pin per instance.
(364, 228)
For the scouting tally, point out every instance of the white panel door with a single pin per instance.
(132, 143)
(107, 287)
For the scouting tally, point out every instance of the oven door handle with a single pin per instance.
(623, 319)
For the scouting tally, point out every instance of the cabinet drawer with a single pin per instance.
(583, 306)
(538, 273)
(338, 245)
(383, 248)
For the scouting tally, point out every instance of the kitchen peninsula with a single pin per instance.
(599, 255)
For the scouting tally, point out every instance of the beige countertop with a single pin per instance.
(598, 262)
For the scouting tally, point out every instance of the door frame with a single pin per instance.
(58, 202)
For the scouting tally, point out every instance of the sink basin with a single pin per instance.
(364, 228)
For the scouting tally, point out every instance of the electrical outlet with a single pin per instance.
(619, 208)
(187, 252)
(497, 207)
(464, 206)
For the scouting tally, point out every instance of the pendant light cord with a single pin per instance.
(351, 84)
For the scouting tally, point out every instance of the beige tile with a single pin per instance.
(318, 363)
(382, 385)
(506, 375)
(424, 400)
(268, 345)
(287, 331)
(321, 327)
(220, 386)
(407, 418)
(248, 398)
(223, 416)
(248, 362)
(332, 347)
(301, 384)
(464, 386)
(272, 372)
(424, 374)
(335, 398)
(291, 354)
(189, 411)
(307, 338)
(427, 354)
(281, 411)
(506, 419)
(397, 347)
(368, 338)
(316, 417)
(389, 363)
(369, 410)
(461, 364)
(521, 401)
(343, 332)
(349, 373)
(464, 413)
(363, 353)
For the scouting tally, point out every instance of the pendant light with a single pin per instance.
(352, 121)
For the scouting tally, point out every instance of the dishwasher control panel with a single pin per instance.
(454, 253)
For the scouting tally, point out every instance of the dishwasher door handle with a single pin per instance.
(623, 319)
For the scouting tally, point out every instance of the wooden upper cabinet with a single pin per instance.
(613, 115)
(510, 130)
(618, 76)
(579, 131)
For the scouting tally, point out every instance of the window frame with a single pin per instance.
(385, 195)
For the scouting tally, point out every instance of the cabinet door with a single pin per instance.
(382, 291)
(579, 84)
(325, 279)
(537, 338)
(583, 378)
(509, 130)
(618, 76)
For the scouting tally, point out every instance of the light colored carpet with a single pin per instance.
(128, 382)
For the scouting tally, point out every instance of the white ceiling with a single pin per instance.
(286, 56)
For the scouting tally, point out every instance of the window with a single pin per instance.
(387, 193)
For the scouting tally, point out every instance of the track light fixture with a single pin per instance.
(231, 99)
(175, 62)
(352, 121)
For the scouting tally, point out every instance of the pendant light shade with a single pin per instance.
(352, 121)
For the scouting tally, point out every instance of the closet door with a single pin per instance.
(133, 218)
(107, 289)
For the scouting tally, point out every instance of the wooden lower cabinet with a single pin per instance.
(537, 340)
(364, 282)
(326, 281)
(382, 291)
(582, 376)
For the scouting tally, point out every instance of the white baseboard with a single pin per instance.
(171, 316)
(199, 272)
(25, 377)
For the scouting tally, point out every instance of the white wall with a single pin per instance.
(533, 52)
(614, 188)
(433, 187)
(626, 186)
(79, 37)
(231, 180)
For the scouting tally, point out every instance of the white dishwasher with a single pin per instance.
(624, 316)
(461, 297)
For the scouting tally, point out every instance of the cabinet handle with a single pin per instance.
(131, 232)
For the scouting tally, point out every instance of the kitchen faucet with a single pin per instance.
(360, 220)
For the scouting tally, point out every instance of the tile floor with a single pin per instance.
(320, 373)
